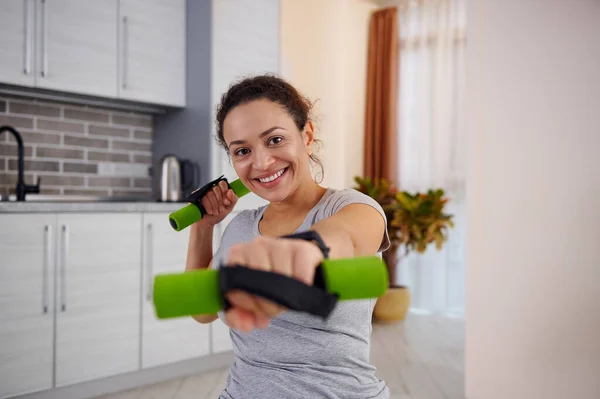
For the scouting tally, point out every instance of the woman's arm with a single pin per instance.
(199, 256)
(218, 202)
(200, 251)
(356, 230)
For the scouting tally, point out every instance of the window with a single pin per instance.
(431, 141)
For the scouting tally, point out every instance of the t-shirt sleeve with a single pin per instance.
(342, 198)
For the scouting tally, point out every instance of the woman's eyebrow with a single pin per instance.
(263, 134)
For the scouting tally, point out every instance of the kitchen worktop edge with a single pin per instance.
(39, 207)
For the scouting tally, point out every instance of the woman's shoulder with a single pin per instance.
(339, 198)
(242, 218)
(347, 192)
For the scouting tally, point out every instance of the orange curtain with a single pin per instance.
(382, 75)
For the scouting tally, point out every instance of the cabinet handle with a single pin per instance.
(125, 51)
(47, 261)
(63, 269)
(44, 71)
(27, 67)
(149, 264)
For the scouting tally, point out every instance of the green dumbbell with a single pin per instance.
(203, 291)
(193, 212)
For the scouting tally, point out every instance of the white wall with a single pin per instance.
(244, 42)
(324, 54)
(533, 231)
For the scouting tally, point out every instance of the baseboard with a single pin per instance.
(135, 379)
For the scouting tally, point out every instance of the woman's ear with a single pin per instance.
(308, 136)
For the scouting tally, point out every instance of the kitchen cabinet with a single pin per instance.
(169, 340)
(70, 298)
(120, 49)
(26, 303)
(17, 41)
(74, 298)
(77, 46)
(98, 295)
(152, 51)
(245, 42)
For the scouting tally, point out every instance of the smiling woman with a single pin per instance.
(270, 162)
(272, 91)
(264, 125)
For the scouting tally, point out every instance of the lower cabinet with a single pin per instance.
(98, 296)
(75, 299)
(26, 303)
(168, 340)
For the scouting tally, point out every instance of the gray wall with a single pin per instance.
(187, 132)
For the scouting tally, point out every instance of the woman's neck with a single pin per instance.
(298, 203)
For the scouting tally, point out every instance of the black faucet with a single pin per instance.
(22, 188)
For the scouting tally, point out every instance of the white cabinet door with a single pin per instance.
(26, 307)
(152, 51)
(77, 46)
(98, 295)
(16, 42)
(245, 42)
(168, 340)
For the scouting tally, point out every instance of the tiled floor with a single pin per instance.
(421, 358)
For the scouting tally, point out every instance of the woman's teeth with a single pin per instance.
(273, 177)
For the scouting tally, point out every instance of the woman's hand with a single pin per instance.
(291, 257)
(218, 202)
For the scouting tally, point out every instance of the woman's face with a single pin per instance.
(268, 153)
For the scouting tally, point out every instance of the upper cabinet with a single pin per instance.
(120, 49)
(152, 51)
(76, 46)
(16, 42)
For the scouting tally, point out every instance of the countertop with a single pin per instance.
(49, 203)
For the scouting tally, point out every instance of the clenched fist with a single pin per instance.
(291, 257)
(218, 202)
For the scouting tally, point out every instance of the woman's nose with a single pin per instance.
(262, 159)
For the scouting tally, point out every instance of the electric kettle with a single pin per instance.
(176, 177)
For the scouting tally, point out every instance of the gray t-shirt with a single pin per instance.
(300, 355)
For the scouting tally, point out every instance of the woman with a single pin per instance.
(263, 123)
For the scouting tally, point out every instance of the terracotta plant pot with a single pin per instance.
(392, 306)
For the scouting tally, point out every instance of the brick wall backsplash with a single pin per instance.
(77, 150)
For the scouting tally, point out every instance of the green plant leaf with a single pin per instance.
(414, 219)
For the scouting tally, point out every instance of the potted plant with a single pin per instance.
(414, 221)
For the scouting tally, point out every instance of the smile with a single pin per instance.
(273, 177)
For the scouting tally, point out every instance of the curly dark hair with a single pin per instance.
(266, 87)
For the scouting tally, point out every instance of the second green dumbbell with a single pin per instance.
(202, 291)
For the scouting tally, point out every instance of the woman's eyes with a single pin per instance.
(272, 141)
(278, 138)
